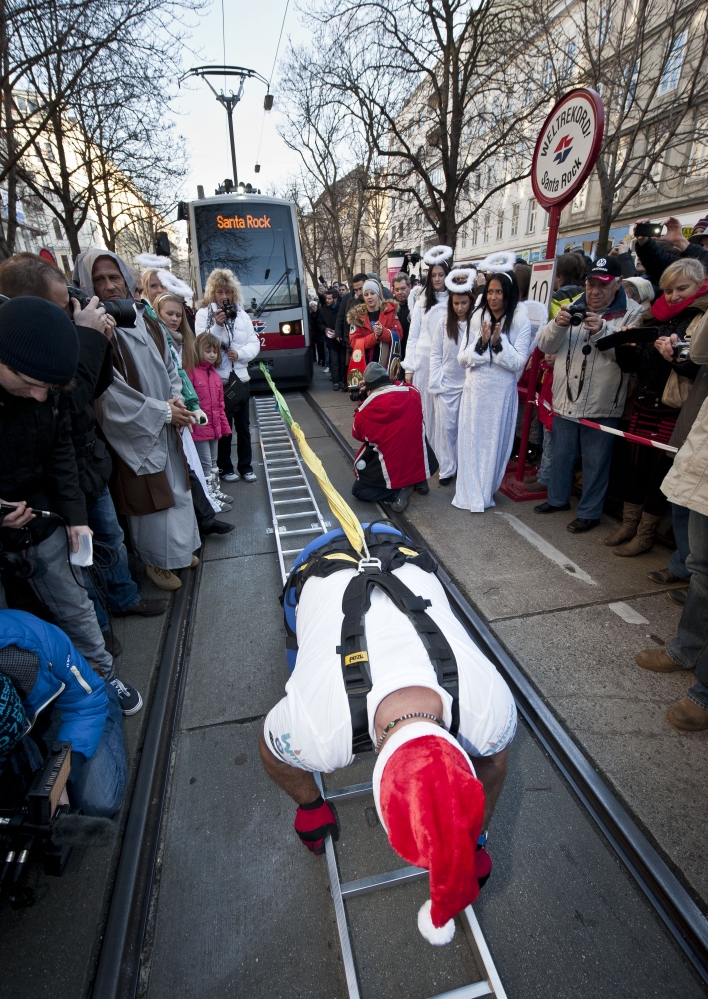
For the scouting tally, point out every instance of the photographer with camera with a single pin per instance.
(222, 313)
(48, 673)
(664, 378)
(141, 414)
(655, 258)
(27, 274)
(39, 354)
(588, 384)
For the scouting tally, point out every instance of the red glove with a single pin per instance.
(482, 865)
(315, 821)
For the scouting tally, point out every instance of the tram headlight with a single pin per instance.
(291, 328)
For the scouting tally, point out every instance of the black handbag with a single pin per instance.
(236, 392)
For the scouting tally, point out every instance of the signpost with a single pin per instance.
(565, 154)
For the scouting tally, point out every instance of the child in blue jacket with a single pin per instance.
(48, 672)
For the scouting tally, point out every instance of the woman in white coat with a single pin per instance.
(494, 352)
(447, 376)
(222, 313)
(429, 309)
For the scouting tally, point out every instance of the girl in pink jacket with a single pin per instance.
(210, 389)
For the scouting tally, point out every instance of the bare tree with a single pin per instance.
(336, 155)
(647, 60)
(436, 86)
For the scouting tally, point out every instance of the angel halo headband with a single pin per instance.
(461, 280)
(168, 280)
(504, 260)
(437, 255)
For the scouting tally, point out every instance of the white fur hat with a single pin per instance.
(504, 260)
(437, 255)
(461, 280)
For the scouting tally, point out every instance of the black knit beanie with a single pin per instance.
(38, 339)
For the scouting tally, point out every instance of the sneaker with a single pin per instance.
(128, 697)
(423, 488)
(230, 476)
(144, 607)
(163, 578)
(112, 643)
(223, 507)
(195, 562)
(224, 497)
(326, 371)
(218, 527)
(249, 477)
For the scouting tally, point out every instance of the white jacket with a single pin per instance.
(420, 333)
(515, 345)
(238, 335)
(446, 373)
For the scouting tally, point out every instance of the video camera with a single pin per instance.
(122, 309)
(40, 829)
(229, 309)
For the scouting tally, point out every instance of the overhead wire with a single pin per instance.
(270, 78)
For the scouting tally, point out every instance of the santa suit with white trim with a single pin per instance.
(431, 802)
(395, 452)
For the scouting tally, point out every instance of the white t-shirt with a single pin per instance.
(311, 726)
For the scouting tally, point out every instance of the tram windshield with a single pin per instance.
(256, 242)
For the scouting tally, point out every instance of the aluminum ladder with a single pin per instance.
(285, 476)
(293, 505)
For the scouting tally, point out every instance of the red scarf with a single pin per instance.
(662, 311)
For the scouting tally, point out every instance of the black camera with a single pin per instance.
(122, 309)
(577, 314)
(682, 350)
(228, 309)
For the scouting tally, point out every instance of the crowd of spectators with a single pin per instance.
(623, 345)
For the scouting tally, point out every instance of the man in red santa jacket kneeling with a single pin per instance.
(395, 457)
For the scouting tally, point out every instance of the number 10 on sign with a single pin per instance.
(543, 273)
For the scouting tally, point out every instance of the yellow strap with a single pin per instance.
(337, 504)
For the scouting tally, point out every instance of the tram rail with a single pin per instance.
(118, 970)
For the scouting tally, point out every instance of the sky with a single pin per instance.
(251, 34)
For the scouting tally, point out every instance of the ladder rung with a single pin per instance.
(286, 478)
(301, 513)
(292, 551)
(364, 885)
(269, 454)
(287, 489)
(302, 499)
(304, 530)
(350, 791)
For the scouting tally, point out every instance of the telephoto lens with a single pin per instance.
(122, 310)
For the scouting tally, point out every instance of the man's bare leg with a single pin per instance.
(299, 784)
(491, 770)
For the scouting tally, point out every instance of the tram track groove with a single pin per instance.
(668, 897)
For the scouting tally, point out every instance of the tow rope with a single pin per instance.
(337, 504)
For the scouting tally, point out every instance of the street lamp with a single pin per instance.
(229, 103)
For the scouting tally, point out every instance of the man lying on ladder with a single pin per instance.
(383, 663)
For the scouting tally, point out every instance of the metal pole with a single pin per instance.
(230, 113)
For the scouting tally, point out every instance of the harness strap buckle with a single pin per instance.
(370, 564)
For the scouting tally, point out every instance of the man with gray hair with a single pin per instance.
(141, 415)
(587, 384)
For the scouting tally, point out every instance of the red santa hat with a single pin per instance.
(432, 807)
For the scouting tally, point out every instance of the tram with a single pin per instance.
(256, 237)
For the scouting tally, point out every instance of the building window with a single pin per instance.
(48, 151)
(400, 230)
(487, 226)
(500, 224)
(57, 230)
(580, 199)
(672, 69)
(515, 219)
(475, 231)
(546, 221)
(362, 268)
(698, 162)
(531, 218)
(477, 180)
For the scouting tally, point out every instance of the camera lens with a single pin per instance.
(122, 310)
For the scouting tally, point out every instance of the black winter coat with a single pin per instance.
(93, 376)
(327, 318)
(38, 464)
(656, 259)
(652, 369)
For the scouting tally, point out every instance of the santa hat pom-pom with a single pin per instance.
(437, 937)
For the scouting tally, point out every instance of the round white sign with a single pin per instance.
(567, 147)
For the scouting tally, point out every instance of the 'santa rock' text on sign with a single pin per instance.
(243, 222)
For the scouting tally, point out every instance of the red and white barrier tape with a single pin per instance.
(618, 433)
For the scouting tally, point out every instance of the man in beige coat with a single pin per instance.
(687, 485)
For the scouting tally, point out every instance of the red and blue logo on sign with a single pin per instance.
(562, 150)
(258, 325)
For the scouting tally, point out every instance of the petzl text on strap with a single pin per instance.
(355, 656)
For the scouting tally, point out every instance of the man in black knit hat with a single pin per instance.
(39, 353)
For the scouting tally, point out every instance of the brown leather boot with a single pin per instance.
(657, 660)
(688, 716)
(643, 540)
(631, 514)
